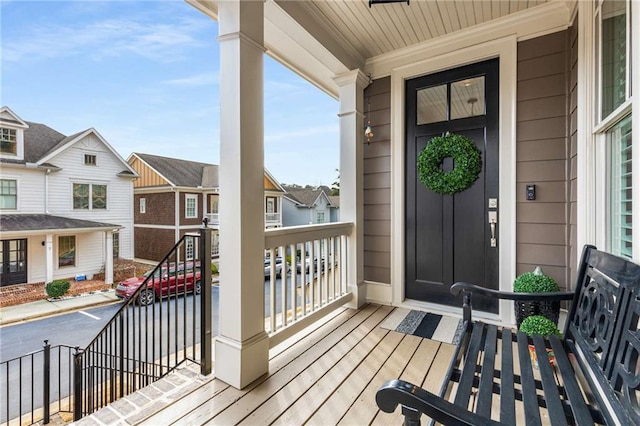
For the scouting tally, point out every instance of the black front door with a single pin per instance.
(13, 258)
(448, 237)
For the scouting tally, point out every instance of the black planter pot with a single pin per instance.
(524, 309)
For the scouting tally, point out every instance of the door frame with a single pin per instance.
(506, 50)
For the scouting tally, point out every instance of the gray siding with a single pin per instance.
(542, 237)
(377, 183)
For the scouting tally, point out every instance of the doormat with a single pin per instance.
(442, 328)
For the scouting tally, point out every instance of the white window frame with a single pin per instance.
(187, 198)
(90, 206)
(189, 248)
(594, 165)
(16, 134)
(143, 205)
(17, 192)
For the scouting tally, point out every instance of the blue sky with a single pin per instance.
(145, 74)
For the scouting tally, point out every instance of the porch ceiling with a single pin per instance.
(320, 39)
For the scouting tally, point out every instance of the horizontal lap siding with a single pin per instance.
(543, 156)
(377, 183)
(572, 35)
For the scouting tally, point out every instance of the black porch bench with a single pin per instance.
(595, 379)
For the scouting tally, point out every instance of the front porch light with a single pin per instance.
(372, 2)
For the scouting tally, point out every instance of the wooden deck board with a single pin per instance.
(326, 375)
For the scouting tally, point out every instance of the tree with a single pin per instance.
(335, 186)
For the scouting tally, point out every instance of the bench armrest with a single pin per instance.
(466, 289)
(394, 392)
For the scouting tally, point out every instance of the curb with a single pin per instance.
(61, 311)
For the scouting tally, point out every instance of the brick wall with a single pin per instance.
(160, 209)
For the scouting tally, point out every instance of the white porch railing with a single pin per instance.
(313, 276)
(270, 218)
(214, 218)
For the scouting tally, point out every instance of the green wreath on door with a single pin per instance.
(467, 164)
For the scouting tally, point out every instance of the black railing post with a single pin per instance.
(77, 384)
(121, 366)
(46, 379)
(206, 350)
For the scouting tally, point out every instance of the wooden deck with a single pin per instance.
(325, 375)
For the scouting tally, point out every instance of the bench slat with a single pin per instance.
(507, 387)
(468, 371)
(485, 390)
(529, 396)
(549, 384)
(581, 413)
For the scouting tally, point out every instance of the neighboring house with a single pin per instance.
(65, 203)
(305, 206)
(172, 197)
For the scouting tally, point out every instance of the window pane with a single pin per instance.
(116, 245)
(467, 98)
(99, 196)
(66, 251)
(8, 142)
(620, 199)
(190, 207)
(614, 55)
(8, 194)
(431, 105)
(80, 196)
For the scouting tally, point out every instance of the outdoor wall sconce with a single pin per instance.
(368, 131)
(372, 2)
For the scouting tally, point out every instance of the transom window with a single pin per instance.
(66, 251)
(88, 196)
(191, 206)
(8, 141)
(8, 194)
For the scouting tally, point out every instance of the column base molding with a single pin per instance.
(241, 363)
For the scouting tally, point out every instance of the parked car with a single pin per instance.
(165, 282)
(278, 267)
(307, 264)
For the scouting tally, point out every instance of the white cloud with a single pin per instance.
(206, 79)
(107, 38)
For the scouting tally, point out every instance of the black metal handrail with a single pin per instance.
(154, 331)
(139, 345)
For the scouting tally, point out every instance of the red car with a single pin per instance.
(165, 282)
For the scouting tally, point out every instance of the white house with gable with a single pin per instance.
(65, 201)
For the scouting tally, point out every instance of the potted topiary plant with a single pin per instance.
(536, 282)
(538, 324)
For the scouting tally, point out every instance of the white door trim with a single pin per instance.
(506, 50)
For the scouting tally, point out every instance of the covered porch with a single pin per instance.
(326, 374)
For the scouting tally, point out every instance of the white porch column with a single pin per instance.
(48, 248)
(352, 86)
(108, 261)
(242, 347)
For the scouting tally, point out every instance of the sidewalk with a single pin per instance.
(42, 308)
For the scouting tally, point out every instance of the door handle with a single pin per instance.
(493, 220)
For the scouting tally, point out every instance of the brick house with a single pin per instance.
(172, 196)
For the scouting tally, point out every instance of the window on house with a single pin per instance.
(620, 188)
(215, 244)
(320, 217)
(614, 117)
(189, 248)
(89, 196)
(8, 141)
(143, 205)
(116, 245)
(90, 160)
(8, 194)
(66, 251)
(191, 206)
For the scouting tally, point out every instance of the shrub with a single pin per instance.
(214, 269)
(530, 282)
(57, 288)
(537, 324)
